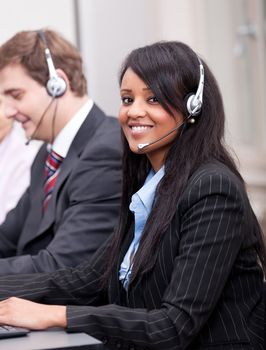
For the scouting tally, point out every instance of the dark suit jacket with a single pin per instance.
(203, 292)
(82, 211)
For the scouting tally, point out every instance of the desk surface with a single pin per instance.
(51, 339)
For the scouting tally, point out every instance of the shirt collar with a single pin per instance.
(147, 191)
(65, 137)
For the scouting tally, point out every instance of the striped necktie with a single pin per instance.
(51, 171)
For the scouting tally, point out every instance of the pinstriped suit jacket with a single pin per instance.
(205, 290)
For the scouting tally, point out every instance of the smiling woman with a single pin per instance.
(185, 266)
(143, 119)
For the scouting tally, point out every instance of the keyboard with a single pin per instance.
(10, 331)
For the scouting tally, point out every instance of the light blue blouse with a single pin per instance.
(140, 206)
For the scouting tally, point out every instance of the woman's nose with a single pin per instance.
(136, 110)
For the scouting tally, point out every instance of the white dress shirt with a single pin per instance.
(15, 162)
(66, 136)
(141, 206)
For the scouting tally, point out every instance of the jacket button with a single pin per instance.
(131, 347)
(118, 345)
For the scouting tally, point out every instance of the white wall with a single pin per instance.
(16, 15)
(109, 30)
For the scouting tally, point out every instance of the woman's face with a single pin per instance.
(144, 120)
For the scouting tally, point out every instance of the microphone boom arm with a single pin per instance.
(143, 145)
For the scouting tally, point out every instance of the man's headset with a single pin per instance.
(55, 86)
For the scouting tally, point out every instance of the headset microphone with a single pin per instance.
(28, 141)
(39, 123)
(144, 145)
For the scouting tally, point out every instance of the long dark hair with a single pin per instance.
(171, 71)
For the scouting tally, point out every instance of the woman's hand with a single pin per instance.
(23, 313)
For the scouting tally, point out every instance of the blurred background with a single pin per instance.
(229, 34)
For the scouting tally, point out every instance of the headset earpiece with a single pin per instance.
(194, 101)
(55, 86)
(193, 105)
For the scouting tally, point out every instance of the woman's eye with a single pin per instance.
(126, 100)
(153, 99)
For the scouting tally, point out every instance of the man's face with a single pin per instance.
(25, 100)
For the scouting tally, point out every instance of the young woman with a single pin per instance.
(184, 269)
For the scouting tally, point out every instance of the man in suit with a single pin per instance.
(71, 205)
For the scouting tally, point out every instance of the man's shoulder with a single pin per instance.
(110, 125)
(99, 136)
(106, 137)
(101, 122)
(106, 128)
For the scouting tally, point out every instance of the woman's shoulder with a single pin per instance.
(214, 170)
(214, 178)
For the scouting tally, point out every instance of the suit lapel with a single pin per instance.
(37, 190)
(82, 138)
(49, 215)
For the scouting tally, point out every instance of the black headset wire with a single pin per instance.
(53, 120)
(41, 119)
